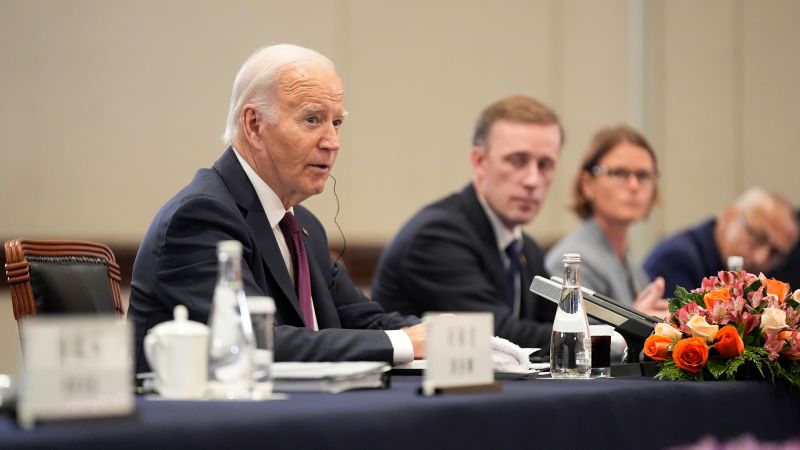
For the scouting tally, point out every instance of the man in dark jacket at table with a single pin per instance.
(283, 136)
(761, 227)
(788, 270)
(467, 252)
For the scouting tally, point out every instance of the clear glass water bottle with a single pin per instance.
(231, 347)
(570, 343)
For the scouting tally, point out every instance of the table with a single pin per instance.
(618, 413)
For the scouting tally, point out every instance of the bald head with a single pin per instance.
(761, 227)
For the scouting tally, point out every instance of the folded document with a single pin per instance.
(328, 376)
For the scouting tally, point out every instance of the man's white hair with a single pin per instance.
(758, 196)
(255, 83)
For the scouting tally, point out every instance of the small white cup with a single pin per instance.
(601, 349)
(178, 354)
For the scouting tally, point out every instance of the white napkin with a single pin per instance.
(510, 357)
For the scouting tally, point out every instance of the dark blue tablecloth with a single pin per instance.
(619, 413)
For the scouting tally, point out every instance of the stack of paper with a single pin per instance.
(328, 376)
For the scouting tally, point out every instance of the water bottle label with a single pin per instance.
(569, 323)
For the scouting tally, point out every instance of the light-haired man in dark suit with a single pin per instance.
(467, 251)
(283, 135)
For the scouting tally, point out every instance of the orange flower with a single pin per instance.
(657, 347)
(716, 295)
(785, 334)
(690, 354)
(779, 288)
(729, 343)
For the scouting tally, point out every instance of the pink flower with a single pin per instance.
(685, 314)
(792, 317)
(756, 298)
(773, 344)
(749, 279)
(727, 278)
(708, 284)
(792, 348)
(751, 322)
(722, 312)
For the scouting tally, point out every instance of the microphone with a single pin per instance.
(634, 326)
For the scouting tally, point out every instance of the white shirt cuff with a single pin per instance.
(403, 349)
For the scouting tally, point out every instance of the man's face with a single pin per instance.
(296, 148)
(515, 167)
(762, 234)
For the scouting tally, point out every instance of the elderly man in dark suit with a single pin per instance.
(283, 131)
(467, 252)
(761, 227)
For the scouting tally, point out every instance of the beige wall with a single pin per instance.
(109, 106)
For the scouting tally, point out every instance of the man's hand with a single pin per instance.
(417, 335)
(651, 300)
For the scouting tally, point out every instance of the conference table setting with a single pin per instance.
(531, 412)
(423, 404)
(694, 376)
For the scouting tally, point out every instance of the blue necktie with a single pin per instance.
(513, 273)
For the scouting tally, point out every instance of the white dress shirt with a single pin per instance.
(273, 207)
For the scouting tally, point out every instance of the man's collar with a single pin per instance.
(272, 205)
(503, 235)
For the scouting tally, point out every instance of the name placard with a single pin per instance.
(458, 351)
(75, 367)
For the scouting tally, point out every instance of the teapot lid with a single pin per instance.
(181, 325)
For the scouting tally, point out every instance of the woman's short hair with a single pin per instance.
(602, 143)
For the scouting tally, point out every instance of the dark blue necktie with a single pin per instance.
(513, 273)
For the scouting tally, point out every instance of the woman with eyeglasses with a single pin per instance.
(615, 188)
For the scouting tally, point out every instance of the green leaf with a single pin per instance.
(669, 371)
(753, 287)
(724, 368)
(682, 298)
(716, 367)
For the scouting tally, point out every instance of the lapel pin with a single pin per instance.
(305, 232)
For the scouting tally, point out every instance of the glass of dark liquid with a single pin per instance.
(601, 349)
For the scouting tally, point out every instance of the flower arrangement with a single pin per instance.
(734, 325)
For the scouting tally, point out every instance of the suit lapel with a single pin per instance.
(324, 308)
(488, 241)
(245, 196)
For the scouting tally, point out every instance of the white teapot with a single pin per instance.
(177, 351)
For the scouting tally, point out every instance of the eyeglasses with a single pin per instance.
(760, 239)
(622, 175)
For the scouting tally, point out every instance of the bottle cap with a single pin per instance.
(260, 305)
(735, 263)
(572, 257)
(233, 248)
